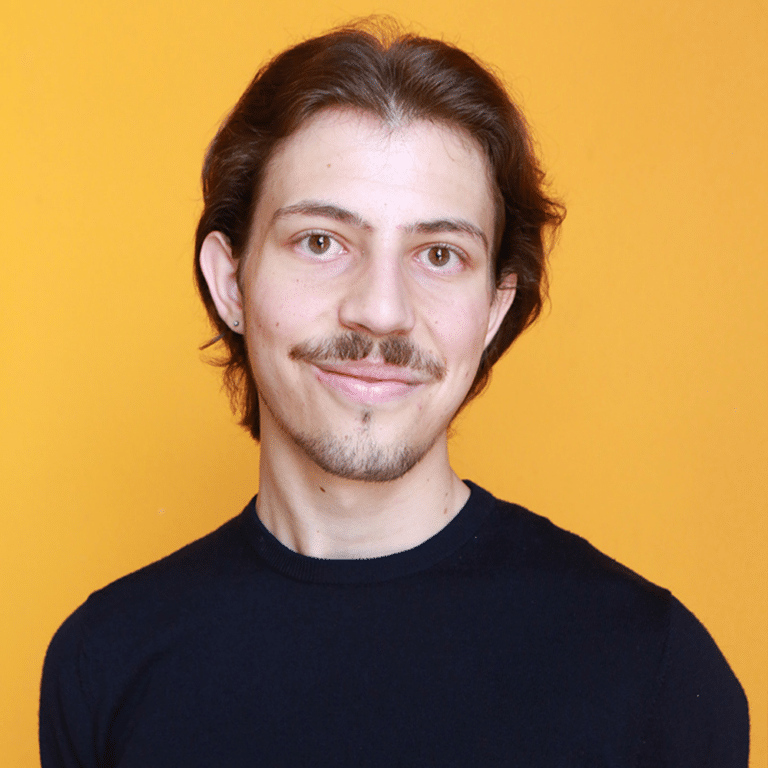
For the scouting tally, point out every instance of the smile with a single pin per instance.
(368, 383)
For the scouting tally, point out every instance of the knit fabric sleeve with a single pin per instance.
(67, 727)
(699, 715)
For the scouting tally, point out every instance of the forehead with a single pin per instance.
(388, 175)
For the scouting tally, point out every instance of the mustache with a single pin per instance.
(393, 350)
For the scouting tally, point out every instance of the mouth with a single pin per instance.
(368, 382)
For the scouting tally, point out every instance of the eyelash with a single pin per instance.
(453, 250)
(304, 237)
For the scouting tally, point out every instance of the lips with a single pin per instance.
(368, 382)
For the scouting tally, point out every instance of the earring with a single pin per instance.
(235, 323)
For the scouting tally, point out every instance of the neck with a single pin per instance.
(320, 515)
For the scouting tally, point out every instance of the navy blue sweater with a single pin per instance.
(502, 640)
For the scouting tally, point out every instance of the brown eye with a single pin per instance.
(439, 256)
(318, 244)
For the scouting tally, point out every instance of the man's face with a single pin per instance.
(367, 292)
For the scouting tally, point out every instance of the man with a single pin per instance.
(373, 239)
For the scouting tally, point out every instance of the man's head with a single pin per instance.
(391, 81)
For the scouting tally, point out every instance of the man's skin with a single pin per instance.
(368, 234)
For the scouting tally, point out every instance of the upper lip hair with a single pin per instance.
(371, 371)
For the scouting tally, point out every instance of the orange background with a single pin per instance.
(635, 413)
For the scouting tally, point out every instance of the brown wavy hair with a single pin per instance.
(374, 67)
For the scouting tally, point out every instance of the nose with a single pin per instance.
(378, 297)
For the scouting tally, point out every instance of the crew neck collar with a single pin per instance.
(359, 571)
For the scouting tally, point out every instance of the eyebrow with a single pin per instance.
(448, 225)
(335, 212)
(326, 210)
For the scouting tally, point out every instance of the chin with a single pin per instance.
(361, 458)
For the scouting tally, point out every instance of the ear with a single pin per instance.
(502, 301)
(220, 270)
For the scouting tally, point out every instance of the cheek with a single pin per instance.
(283, 313)
(460, 334)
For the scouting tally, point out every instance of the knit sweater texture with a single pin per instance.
(500, 641)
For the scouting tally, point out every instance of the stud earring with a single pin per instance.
(235, 323)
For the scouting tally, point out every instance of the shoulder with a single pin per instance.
(699, 715)
(157, 599)
(213, 555)
(633, 638)
(548, 558)
(98, 658)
